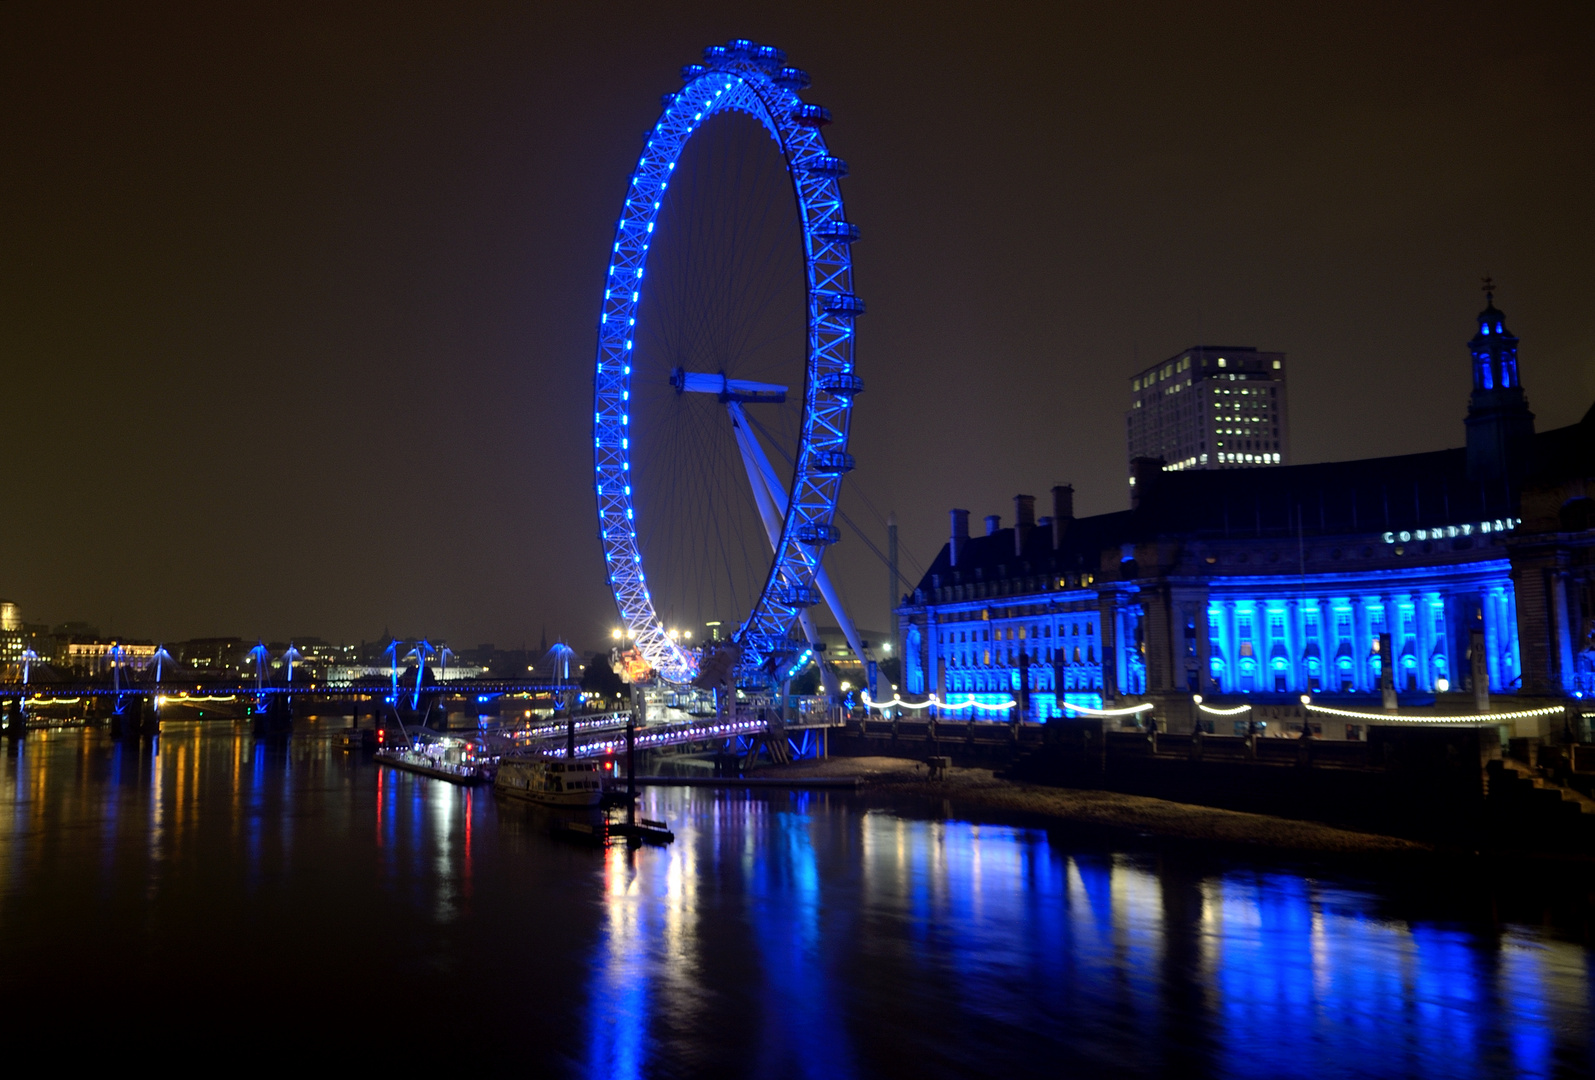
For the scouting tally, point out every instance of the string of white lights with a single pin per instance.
(1465, 718)
(1236, 711)
(1004, 707)
(898, 703)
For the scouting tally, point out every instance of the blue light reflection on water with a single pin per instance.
(781, 935)
(979, 947)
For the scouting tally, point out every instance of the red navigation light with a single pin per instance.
(609, 764)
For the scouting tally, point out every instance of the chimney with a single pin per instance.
(960, 537)
(1062, 513)
(1143, 473)
(1024, 519)
(993, 524)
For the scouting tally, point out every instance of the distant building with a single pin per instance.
(217, 658)
(17, 638)
(1268, 584)
(840, 656)
(1210, 407)
(97, 657)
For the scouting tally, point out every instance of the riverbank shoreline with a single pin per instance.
(969, 791)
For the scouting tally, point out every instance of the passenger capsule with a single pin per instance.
(836, 232)
(813, 116)
(815, 534)
(826, 165)
(800, 596)
(842, 304)
(831, 462)
(841, 384)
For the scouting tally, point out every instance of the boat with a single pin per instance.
(551, 782)
(437, 765)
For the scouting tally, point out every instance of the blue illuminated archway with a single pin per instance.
(751, 79)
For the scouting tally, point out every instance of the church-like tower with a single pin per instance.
(1500, 426)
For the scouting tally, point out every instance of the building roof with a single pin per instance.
(1371, 495)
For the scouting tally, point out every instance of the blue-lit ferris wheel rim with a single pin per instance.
(750, 79)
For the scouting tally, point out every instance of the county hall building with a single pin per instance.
(1251, 580)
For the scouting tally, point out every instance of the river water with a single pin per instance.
(205, 893)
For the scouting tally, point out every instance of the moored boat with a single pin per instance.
(417, 760)
(551, 782)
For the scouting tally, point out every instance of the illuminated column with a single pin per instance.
(1204, 648)
(1296, 648)
(1359, 645)
(1443, 611)
(1107, 621)
(1492, 650)
(937, 682)
(1121, 663)
(1423, 638)
(1316, 605)
(1387, 609)
(1514, 657)
(1398, 606)
(1302, 608)
(1440, 635)
(1232, 670)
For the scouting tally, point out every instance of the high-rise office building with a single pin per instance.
(1211, 407)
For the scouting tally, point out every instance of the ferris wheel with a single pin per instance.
(725, 373)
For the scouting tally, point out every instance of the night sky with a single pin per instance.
(299, 299)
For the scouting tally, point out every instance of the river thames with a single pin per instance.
(205, 892)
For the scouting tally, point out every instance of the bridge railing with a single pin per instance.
(600, 744)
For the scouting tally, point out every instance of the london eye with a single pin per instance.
(725, 378)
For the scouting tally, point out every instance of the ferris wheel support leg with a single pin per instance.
(767, 492)
(768, 496)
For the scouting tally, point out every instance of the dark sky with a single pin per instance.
(298, 299)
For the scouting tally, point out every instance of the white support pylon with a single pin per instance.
(773, 522)
(762, 476)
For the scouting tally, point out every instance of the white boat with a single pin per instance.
(550, 782)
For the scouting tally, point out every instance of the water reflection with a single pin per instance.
(782, 935)
(977, 948)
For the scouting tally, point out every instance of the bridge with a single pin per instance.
(136, 707)
(743, 736)
(136, 703)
